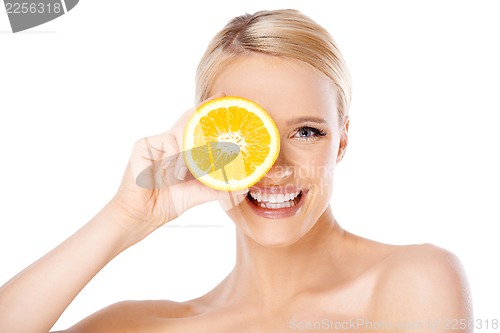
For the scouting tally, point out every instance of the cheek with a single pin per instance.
(314, 162)
(316, 169)
(320, 176)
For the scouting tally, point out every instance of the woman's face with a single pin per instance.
(303, 105)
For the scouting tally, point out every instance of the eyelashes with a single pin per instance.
(308, 133)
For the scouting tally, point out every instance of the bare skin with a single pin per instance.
(289, 273)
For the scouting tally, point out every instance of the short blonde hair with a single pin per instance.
(283, 33)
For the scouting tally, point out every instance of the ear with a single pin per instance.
(343, 139)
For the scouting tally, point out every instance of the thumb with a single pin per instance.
(199, 193)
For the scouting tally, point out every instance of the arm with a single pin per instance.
(152, 192)
(43, 290)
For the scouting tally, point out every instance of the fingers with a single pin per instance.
(151, 158)
(181, 169)
(199, 194)
(141, 162)
(155, 159)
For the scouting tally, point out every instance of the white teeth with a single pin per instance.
(276, 205)
(281, 200)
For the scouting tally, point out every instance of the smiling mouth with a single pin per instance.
(275, 201)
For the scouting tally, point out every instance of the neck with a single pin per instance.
(272, 276)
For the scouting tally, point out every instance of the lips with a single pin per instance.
(276, 202)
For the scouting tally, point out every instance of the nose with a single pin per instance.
(278, 172)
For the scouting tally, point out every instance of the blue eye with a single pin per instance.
(308, 133)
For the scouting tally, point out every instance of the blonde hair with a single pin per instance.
(283, 33)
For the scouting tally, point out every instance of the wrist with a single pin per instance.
(125, 229)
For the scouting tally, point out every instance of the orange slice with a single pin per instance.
(230, 143)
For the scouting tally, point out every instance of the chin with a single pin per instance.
(272, 221)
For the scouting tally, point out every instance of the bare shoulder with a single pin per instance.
(423, 281)
(130, 315)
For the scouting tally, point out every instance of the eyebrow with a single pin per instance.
(306, 119)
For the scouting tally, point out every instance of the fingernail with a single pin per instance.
(181, 174)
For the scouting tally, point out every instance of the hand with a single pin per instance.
(157, 186)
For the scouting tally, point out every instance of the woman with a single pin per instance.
(295, 269)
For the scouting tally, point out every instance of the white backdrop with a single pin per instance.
(422, 163)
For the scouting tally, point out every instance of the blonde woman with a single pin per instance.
(296, 268)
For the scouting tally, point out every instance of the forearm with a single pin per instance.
(34, 299)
